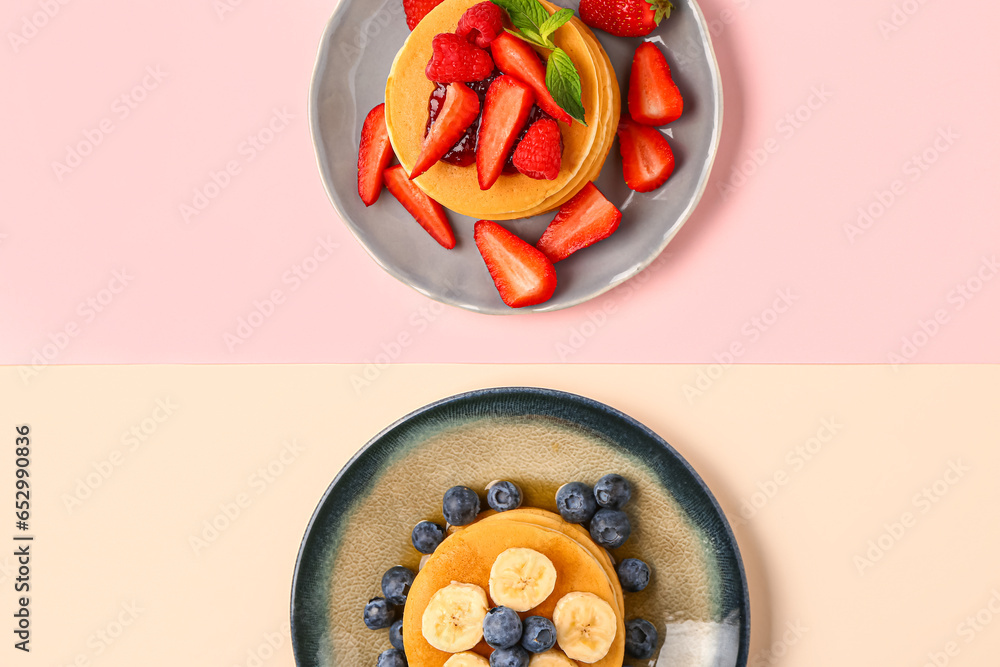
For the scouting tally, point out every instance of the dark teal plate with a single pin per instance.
(541, 439)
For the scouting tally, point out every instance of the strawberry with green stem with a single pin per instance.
(625, 18)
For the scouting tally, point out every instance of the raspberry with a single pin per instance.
(481, 24)
(539, 153)
(417, 9)
(454, 59)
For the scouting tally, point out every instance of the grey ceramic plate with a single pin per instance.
(539, 438)
(354, 59)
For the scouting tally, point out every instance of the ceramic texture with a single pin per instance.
(354, 60)
(539, 438)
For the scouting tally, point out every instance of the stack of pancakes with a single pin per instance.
(467, 556)
(585, 147)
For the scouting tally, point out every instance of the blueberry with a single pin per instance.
(396, 635)
(515, 656)
(392, 658)
(501, 627)
(460, 506)
(576, 502)
(613, 492)
(633, 575)
(539, 634)
(379, 614)
(610, 528)
(426, 537)
(396, 584)
(640, 639)
(504, 496)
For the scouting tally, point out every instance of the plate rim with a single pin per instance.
(319, 68)
(742, 656)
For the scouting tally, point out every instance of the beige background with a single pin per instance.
(116, 579)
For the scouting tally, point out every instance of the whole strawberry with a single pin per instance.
(625, 18)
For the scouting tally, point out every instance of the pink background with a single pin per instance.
(892, 289)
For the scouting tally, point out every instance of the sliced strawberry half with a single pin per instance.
(373, 155)
(653, 97)
(459, 111)
(523, 275)
(539, 153)
(425, 210)
(505, 111)
(516, 57)
(647, 160)
(584, 220)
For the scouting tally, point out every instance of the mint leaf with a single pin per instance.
(522, 23)
(529, 35)
(554, 22)
(535, 26)
(526, 10)
(563, 81)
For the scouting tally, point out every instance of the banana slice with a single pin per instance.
(468, 660)
(551, 658)
(453, 618)
(521, 579)
(585, 626)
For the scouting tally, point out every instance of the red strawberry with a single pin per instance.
(454, 59)
(653, 98)
(516, 57)
(647, 160)
(425, 210)
(373, 155)
(481, 24)
(625, 18)
(585, 219)
(418, 9)
(522, 274)
(505, 111)
(460, 109)
(539, 153)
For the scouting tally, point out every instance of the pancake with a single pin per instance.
(467, 556)
(576, 532)
(457, 188)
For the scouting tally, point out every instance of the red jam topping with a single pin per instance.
(463, 153)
